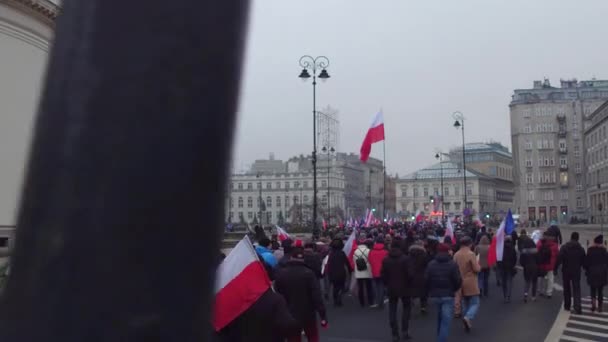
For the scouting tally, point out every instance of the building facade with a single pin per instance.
(283, 197)
(596, 161)
(420, 191)
(26, 32)
(547, 141)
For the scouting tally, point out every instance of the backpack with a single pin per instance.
(361, 262)
(544, 255)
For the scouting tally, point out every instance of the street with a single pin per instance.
(495, 320)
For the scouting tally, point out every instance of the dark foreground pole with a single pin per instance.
(122, 206)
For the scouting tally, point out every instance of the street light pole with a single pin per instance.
(439, 157)
(313, 64)
(260, 199)
(459, 123)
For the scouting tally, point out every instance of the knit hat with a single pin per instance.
(599, 239)
(443, 248)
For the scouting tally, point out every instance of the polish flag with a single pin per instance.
(374, 135)
(282, 234)
(370, 219)
(324, 224)
(497, 246)
(449, 229)
(241, 280)
(350, 246)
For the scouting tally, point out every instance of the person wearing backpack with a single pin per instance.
(363, 273)
(547, 257)
(528, 259)
(396, 275)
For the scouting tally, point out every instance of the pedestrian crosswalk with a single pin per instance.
(588, 327)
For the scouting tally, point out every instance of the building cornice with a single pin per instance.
(44, 10)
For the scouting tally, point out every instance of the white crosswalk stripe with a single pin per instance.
(588, 327)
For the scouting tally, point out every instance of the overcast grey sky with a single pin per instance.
(418, 60)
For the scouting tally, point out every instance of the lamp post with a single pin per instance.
(459, 123)
(329, 151)
(438, 156)
(314, 64)
(260, 199)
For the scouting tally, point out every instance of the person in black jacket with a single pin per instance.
(312, 259)
(442, 281)
(528, 259)
(554, 231)
(337, 269)
(419, 259)
(572, 259)
(300, 287)
(268, 319)
(396, 277)
(507, 268)
(596, 264)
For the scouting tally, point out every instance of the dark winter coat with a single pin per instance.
(554, 232)
(337, 265)
(442, 276)
(418, 260)
(395, 273)
(313, 260)
(300, 287)
(509, 258)
(528, 257)
(572, 259)
(268, 319)
(596, 264)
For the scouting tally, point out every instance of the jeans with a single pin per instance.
(445, 312)
(597, 296)
(470, 305)
(572, 288)
(379, 291)
(365, 284)
(507, 284)
(311, 330)
(546, 284)
(483, 278)
(405, 316)
(531, 283)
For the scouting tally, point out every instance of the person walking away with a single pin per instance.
(571, 258)
(554, 231)
(337, 269)
(507, 268)
(481, 250)
(300, 287)
(442, 281)
(268, 319)
(469, 268)
(363, 274)
(396, 277)
(482, 232)
(418, 261)
(312, 259)
(528, 259)
(547, 257)
(596, 266)
(376, 256)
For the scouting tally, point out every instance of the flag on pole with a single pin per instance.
(374, 134)
(350, 246)
(498, 241)
(324, 224)
(449, 229)
(282, 234)
(241, 280)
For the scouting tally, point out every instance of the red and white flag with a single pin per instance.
(375, 133)
(350, 246)
(282, 234)
(449, 229)
(241, 281)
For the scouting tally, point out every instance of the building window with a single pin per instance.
(305, 184)
(531, 195)
(539, 144)
(286, 185)
(416, 194)
(563, 178)
(268, 202)
(259, 185)
(435, 191)
(286, 200)
(529, 162)
(240, 202)
(457, 192)
(469, 189)
(305, 199)
(426, 192)
(563, 195)
(528, 129)
(562, 145)
(323, 183)
(528, 145)
(457, 206)
(278, 201)
(240, 186)
(579, 202)
(552, 161)
(446, 191)
(249, 186)
(278, 184)
(447, 206)
(563, 161)
(268, 185)
(577, 167)
(577, 152)
(529, 178)
(249, 202)
(249, 215)
(548, 196)
(579, 184)
(526, 112)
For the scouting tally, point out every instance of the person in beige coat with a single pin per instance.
(469, 293)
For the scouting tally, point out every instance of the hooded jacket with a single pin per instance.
(596, 264)
(528, 257)
(442, 276)
(418, 261)
(572, 259)
(395, 273)
(376, 256)
(300, 287)
(550, 266)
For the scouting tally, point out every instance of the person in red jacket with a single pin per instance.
(376, 256)
(547, 257)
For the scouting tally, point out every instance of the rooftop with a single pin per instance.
(450, 170)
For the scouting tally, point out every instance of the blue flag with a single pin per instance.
(509, 223)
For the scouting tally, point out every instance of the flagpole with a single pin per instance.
(384, 167)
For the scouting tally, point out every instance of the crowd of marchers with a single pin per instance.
(396, 265)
